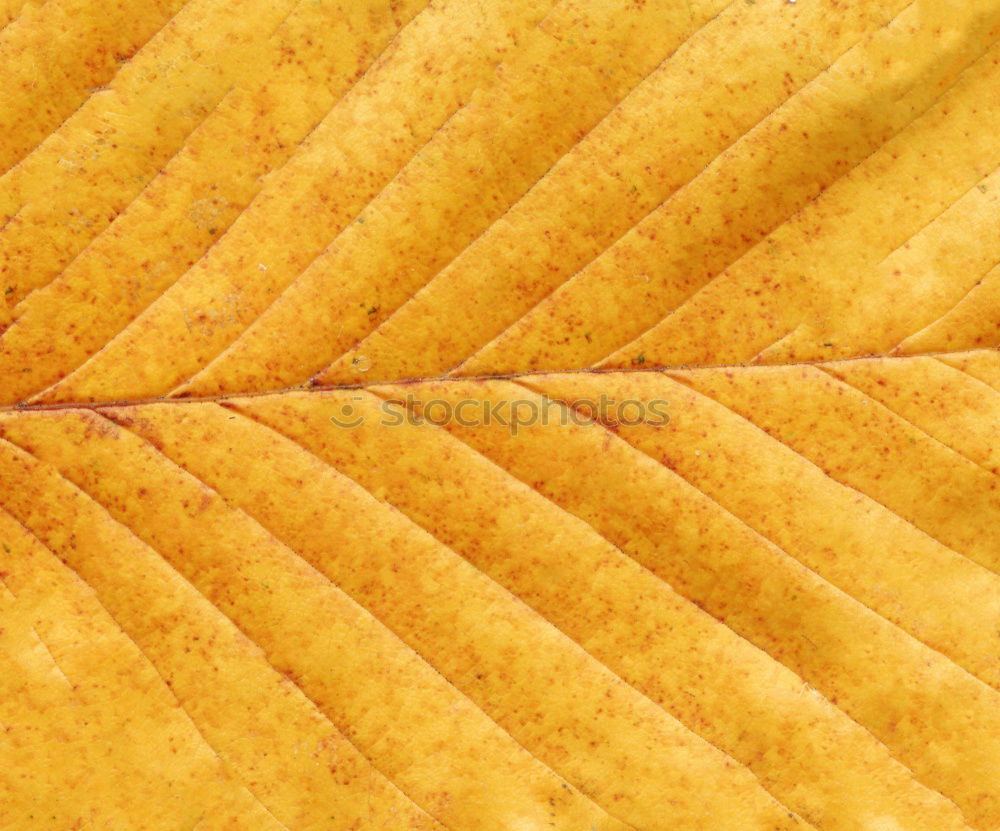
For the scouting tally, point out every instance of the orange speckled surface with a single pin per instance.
(500, 415)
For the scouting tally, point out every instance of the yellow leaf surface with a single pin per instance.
(500, 416)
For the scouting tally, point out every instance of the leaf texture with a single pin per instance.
(312, 513)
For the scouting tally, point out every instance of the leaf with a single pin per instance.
(486, 416)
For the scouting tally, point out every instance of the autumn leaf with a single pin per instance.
(499, 416)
